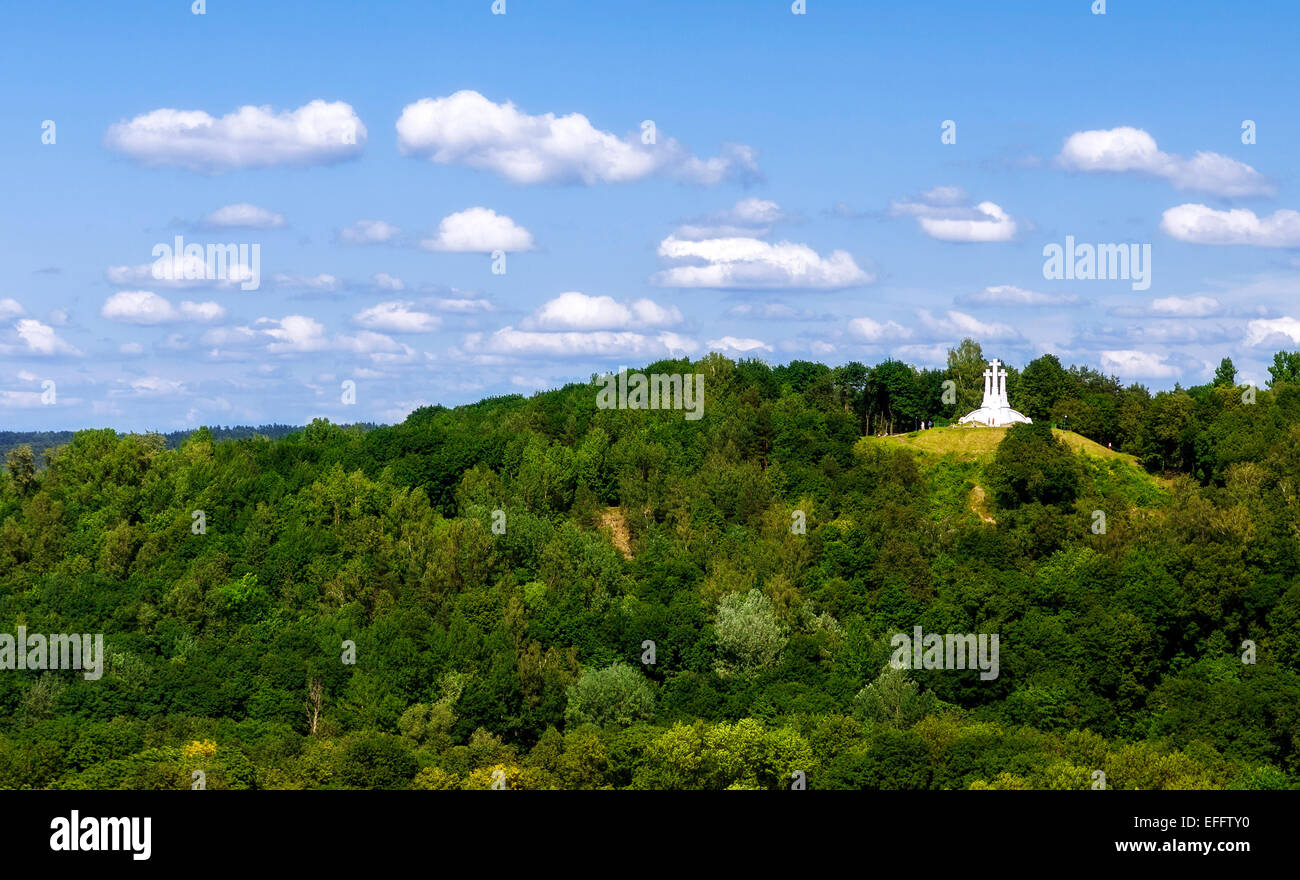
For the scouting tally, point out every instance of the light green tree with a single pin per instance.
(618, 694)
(750, 635)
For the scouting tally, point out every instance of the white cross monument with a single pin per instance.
(995, 410)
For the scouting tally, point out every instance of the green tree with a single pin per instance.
(1031, 465)
(1043, 383)
(966, 366)
(1285, 368)
(618, 694)
(750, 634)
(22, 468)
(1226, 374)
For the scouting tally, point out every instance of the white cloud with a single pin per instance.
(299, 334)
(131, 348)
(157, 386)
(1127, 149)
(1199, 224)
(577, 311)
(463, 305)
(604, 343)
(923, 354)
(1012, 296)
(960, 324)
(10, 308)
(773, 311)
(379, 348)
(145, 307)
(479, 230)
(20, 399)
(1286, 329)
(870, 330)
(1129, 364)
(748, 218)
(738, 346)
(179, 272)
(397, 317)
(384, 281)
(942, 213)
(369, 232)
(468, 129)
(40, 339)
(748, 263)
(1185, 307)
(321, 282)
(294, 333)
(251, 137)
(242, 216)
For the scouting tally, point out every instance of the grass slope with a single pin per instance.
(954, 459)
(967, 442)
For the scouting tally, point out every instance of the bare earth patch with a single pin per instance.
(979, 504)
(612, 518)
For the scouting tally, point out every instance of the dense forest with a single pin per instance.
(540, 593)
(42, 440)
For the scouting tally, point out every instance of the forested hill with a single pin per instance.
(40, 441)
(548, 594)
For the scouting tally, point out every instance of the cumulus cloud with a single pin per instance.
(1011, 296)
(33, 337)
(369, 232)
(574, 324)
(462, 304)
(734, 345)
(748, 263)
(384, 281)
(944, 213)
(577, 311)
(1126, 149)
(301, 334)
(603, 343)
(479, 230)
(869, 330)
(10, 308)
(157, 386)
(1199, 224)
(960, 324)
(145, 307)
(774, 311)
(316, 133)
(293, 333)
(322, 282)
(397, 317)
(1185, 307)
(748, 218)
(242, 216)
(1130, 364)
(379, 348)
(468, 129)
(1274, 330)
(179, 272)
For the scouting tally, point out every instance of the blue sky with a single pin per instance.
(797, 201)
